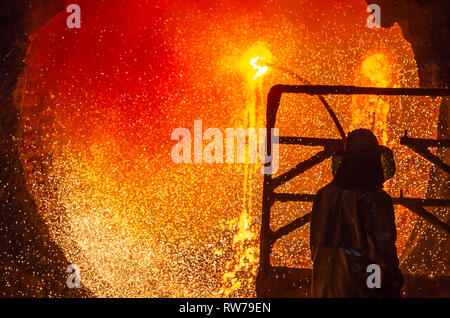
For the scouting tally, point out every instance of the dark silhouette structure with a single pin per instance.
(286, 282)
(353, 224)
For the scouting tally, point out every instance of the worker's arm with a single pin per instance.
(382, 234)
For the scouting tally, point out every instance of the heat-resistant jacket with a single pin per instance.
(351, 229)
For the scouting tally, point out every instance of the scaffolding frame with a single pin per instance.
(268, 275)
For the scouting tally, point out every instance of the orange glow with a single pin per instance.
(245, 261)
(99, 105)
(375, 71)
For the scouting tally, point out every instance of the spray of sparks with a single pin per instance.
(240, 272)
(99, 105)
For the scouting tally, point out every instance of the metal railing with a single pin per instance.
(268, 237)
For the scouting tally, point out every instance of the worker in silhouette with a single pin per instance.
(352, 224)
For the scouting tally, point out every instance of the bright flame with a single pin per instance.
(261, 69)
(253, 63)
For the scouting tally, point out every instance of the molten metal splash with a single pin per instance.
(375, 71)
(261, 70)
(251, 63)
(240, 272)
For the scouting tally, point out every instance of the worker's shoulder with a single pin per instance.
(382, 195)
(377, 195)
(326, 190)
